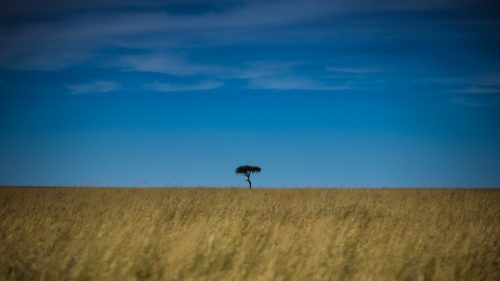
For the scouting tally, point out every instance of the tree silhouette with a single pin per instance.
(247, 171)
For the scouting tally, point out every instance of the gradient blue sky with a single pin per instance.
(318, 93)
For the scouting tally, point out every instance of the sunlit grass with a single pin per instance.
(238, 234)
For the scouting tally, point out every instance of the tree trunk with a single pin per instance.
(249, 182)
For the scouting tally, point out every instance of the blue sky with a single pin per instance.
(317, 93)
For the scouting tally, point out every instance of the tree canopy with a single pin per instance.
(247, 169)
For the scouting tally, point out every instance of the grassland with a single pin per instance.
(237, 234)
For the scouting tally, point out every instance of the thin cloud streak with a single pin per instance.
(173, 87)
(161, 63)
(478, 90)
(466, 101)
(94, 87)
(353, 70)
(293, 83)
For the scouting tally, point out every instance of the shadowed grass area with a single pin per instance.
(239, 234)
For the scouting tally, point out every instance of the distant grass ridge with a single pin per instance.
(238, 234)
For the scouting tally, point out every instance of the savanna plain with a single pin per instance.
(238, 234)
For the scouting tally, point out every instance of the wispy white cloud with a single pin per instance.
(46, 61)
(175, 87)
(487, 79)
(281, 75)
(293, 83)
(94, 87)
(353, 70)
(261, 69)
(478, 90)
(161, 63)
(179, 66)
(476, 84)
(490, 79)
(467, 101)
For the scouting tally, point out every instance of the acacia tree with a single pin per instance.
(247, 171)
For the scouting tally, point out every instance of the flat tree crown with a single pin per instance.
(247, 169)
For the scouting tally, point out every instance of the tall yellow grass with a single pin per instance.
(235, 234)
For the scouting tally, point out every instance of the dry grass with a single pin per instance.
(231, 234)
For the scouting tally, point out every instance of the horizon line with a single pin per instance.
(246, 188)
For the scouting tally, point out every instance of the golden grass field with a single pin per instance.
(239, 234)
